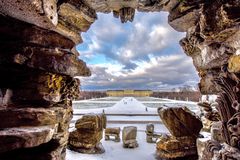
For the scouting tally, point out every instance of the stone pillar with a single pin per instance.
(36, 88)
(212, 40)
(38, 63)
(229, 110)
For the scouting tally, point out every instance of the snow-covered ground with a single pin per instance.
(115, 151)
(128, 105)
(125, 111)
(209, 98)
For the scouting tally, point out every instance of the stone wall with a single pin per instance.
(38, 61)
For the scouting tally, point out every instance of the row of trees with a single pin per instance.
(91, 94)
(182, 95)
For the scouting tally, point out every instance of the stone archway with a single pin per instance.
(39, 60)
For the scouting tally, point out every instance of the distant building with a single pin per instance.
(132, 93)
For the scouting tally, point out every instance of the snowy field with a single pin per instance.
(128, 105)
(92, 105)
(125, 111)
(151, 99)
(115, 151)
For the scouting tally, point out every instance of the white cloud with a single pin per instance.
(159, 73)
(144, 54)
(114, 69)
(94, 45)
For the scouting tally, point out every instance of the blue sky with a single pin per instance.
(144, 54)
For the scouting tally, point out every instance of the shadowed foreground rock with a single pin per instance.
(184, 127)
(89, 131)
(37, 67)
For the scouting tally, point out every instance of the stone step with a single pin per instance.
(25, 137)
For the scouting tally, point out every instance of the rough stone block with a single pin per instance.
(39, 89)
(201, 144)
(115, 132)
(54, 60)
(184, 16)
(74, 17)
(216, 132)
(42, 13)
(91, 122)
(176, 147)
(89, 131)
(25, 137)
(129, 135)
(233, 64)
(180, 121)
(14, 117)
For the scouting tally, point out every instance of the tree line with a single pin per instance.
(183, 95)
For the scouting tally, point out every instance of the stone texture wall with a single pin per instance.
(38, 61)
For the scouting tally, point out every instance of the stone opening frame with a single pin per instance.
(212, 41)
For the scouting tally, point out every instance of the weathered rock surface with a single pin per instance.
(151, 135)
(36, 48)
(211, 36)
(112, 132)
(129, 135)
(216, 132)
(184, 127)
(37, 66)
(233, 64)
(201, 144)
(209, 114)
(39, 12)
(209, 111)
(175, 147)
(15, 117)
(89, 131)
(227, 130)
(206, 84)
(180, 121)
(213, 150)
(25, 137)
(37, 89)
(37, 72)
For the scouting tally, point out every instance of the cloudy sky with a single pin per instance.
(144, 54)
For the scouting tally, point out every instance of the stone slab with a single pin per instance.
(25, 137)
